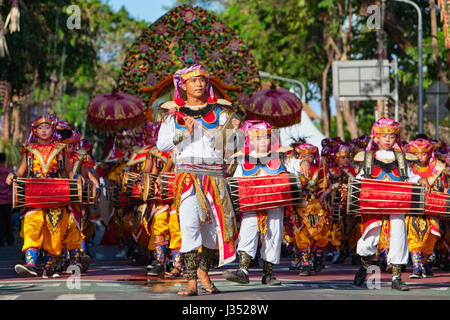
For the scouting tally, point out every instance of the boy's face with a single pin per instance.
(195, 87)
(125, 142)
(344, 160)
(260, 143)
(308, 157)
(387, 141)
(44, 131)
(423, 157)
(70, 147)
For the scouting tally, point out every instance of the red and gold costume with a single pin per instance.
(423, 231)
(312, 222)
(45, 227)
(114, 166)
(343, 227)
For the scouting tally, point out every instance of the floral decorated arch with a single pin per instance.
(184, 36)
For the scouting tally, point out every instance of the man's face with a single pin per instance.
(195, 87)
(423, 157)
(387, 140)
(260, 143)
(44, 131)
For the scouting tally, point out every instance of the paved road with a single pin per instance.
(116, 279)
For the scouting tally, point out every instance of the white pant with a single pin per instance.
(271, 241)
(194, 234)
(398, 245)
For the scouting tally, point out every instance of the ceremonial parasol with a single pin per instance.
(111, 112)
(279, 107)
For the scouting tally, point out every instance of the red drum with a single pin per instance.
(368, 196)
(151, 190)
(266, 192)
(437, 203)
(46, 192)
(129, 185)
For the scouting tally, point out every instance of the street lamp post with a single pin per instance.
(419, 61)
(264, 74)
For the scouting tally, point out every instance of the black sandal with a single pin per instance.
(213, 288)
(176, 274)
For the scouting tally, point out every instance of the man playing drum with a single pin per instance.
(207, 219)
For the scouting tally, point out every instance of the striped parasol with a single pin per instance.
(279, 107)
(111, 112)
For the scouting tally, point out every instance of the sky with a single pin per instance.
(148, 10)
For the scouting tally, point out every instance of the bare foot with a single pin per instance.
(191, 289)
(206, 281)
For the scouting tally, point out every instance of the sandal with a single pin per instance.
(213, 288)
(187, 293)
(173, 274)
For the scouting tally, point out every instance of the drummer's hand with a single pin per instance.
(304, 167)
(190, 122)
(344, 193)
(158, 183)
(236, 124)
(9, 179)
(425, 183)
(140, 186)
(81, 178)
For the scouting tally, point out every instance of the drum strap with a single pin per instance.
(61, 163)
(29, 163)
(368, 164)
(400, 156)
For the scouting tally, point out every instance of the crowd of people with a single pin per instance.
(189, 220)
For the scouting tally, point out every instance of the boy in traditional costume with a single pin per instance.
(114, 167)
(260, 157)
(312, 222)
(385, 160)
(340, 174)
(207, 218)
(44, 228)
(423, 231)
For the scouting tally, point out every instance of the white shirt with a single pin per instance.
(389, 155)
(196, 146)
(292, 166)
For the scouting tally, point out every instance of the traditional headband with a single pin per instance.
(306, 148)
(182, 75)
(44, 119)
(419, 145)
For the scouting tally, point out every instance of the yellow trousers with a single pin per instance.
(174, 230)
(304, 239)
(159, 225)
(420, 237)
(38, 233)
(336, 235)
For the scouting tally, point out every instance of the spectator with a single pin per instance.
(6, 228)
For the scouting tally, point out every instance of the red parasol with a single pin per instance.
(279, 107)
(111, 112)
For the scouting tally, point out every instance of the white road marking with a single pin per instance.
(70, 296)
(8, 297)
